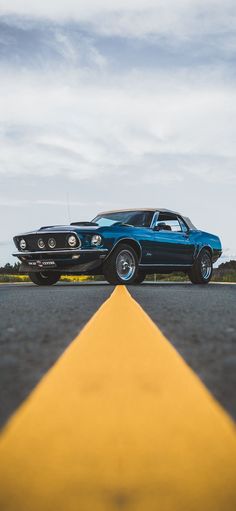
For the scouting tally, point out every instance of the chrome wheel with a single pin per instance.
(206, 266)
(125, 265)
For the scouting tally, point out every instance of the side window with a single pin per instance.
(166, 223)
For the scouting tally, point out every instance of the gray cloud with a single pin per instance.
(139, 18)
(44, 45)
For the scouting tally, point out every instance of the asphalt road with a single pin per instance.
(37, 324)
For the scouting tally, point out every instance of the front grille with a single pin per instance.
(60, 241)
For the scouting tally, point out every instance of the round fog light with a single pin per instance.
(51, 243)
(22, 244)
(96, 240)
(41, 244)
(72, 241)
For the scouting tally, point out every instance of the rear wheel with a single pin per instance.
(122, 265)
(201, 272)
(44, 278)
(141, 275)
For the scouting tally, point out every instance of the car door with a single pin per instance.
(173, 246)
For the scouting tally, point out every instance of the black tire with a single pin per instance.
(44, 278)
(201, 272)
(122, 265)
(141, 275)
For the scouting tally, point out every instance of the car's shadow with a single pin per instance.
(144, 284)
(104, 283)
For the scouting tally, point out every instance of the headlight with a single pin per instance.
(72, 241)
(96, 240)
(52, 243)
(22, 244)
(41, 244)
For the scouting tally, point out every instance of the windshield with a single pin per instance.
(135, 218)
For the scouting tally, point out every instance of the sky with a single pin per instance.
(107, 105)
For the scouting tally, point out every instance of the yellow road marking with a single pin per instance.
(120, 422)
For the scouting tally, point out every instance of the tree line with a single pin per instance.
(10, 269)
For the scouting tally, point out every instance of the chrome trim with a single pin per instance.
(156, 214)
(63, 251)
(206, 266)
(53, 242)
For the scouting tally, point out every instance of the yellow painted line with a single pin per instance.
(120, 422)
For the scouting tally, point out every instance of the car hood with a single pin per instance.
(62, 228)
(79, 228)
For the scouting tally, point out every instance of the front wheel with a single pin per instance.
(122, 265)
(44, 278)
(201, 272)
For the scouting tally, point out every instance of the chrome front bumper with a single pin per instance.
(65, 252)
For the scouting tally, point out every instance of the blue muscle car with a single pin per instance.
(124, 246)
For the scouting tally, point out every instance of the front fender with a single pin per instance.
(130, 241)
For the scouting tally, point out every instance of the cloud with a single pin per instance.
(45, 46)
(91, 125)
(136, 18)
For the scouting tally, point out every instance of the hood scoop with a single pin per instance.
(84, 224)
(48, 227)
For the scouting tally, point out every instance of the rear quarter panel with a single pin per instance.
(205, 239)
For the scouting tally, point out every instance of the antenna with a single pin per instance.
(68, 207)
